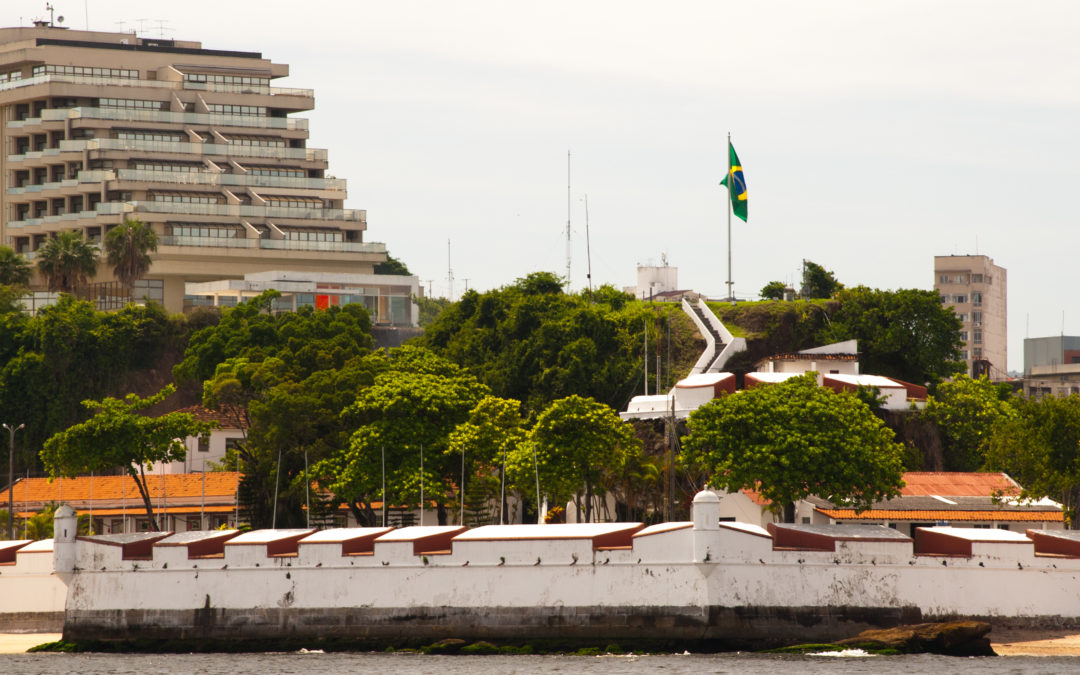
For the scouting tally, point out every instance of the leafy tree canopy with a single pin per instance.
(392, 266)
(305, 341)
(118, 435)
(906, 334)
(128, 247)
(966, 411)
(67, 261)
(1040, 448)
(795, 439)
(774, 290)
(531, 342)
(580, 446)
(818, 282)
(412, 407)
(14, 269)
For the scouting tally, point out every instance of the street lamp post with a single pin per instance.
(11, 479)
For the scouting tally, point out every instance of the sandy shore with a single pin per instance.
(16, 643)
(1035, 643)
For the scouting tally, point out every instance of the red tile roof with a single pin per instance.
(176, 486)
(958, 484)
(891, 514)
(201, 414)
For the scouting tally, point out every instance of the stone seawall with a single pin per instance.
(31, 622)
(703, 628)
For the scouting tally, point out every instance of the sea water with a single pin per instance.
(316, 663)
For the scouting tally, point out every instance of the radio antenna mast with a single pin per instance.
(568, 249)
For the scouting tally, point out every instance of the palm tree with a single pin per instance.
(14, 269)
(67, 261)
(127, 248)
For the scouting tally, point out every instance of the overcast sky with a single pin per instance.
(873, 135)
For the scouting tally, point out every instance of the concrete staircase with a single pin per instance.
(720, 344)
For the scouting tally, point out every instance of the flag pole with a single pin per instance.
(730, 180)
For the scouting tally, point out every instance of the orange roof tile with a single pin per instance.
(892, 514)
(139, 511)
(109, 488)
(957, 484)
(201, 414)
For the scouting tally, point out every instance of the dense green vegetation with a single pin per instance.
(515, 387)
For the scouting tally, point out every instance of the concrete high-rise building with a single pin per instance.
(976, 289)
(100, 126)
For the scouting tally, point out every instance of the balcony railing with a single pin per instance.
(246, 180)
(154, 84)
(233, 211)
(163, 116)
(177, 147)
(250, 211)
(274, 244)
(83, 177)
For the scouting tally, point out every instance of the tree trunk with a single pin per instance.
(140, 482)
(440, 511)
(588, 501)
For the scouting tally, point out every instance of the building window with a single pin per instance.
(86, 71)
(976, 298)
(275, 171)
(208, 78)
(964, 335)
(293, 202)
(132, 103)
(977, 351)
(145, 135)
(257, 141)
(963, 318)
(204, 444)
(976, 278)
(959, 299)
(232, 109)
(150, 289)
(976, 318)
(175, 167)
(978, 337)
(204, 230)
(11, 77)
(188, 198)
(294, 234)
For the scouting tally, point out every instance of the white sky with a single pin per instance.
(873, 135)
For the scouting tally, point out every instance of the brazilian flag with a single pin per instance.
(735, 182)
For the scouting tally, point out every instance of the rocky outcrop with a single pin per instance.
(954, 638)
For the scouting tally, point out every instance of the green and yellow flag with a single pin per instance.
(735, 182)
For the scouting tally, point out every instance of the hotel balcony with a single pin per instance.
(162, 117)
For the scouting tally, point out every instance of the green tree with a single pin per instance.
(392, 266)
(408, 412)
(531, 342)
(774, 290)
(906, 334)
(493, 432)
(117, 435)
(795, 439)
(965, 411)
(430, 308)
(1040, 448)
(127, 248)
(67, 261)
(14, 269)
(818, 282)
(581, 447)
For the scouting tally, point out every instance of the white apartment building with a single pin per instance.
(976, 289)
(99, 126)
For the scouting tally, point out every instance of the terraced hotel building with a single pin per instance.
(99, 126)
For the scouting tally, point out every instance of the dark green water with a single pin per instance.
(316, 664)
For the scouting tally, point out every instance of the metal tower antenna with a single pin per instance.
(568, 248)
(449, 272)
(588, 248)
